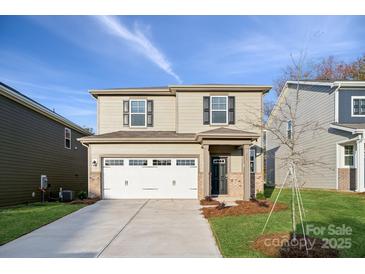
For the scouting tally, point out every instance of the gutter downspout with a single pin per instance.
(360, 164)
(88, 167)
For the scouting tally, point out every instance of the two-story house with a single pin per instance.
(177, 142)
(37, 141)
(339, 109)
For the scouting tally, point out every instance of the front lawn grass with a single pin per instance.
(22, 219)
(235, 235)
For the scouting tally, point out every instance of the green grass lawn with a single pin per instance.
(235, 234)
(19, 220)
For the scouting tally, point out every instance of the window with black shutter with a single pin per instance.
(149, 113)
(231, 110)
(206, 110)
(126, 112)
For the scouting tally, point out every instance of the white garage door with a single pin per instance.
(150, 178)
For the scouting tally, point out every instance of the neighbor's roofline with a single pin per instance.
(172, 89)
(339, 84)
(18, 97)
(330, 83)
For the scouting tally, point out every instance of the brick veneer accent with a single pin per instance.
(347, 178)
(235, 184)
(95, 185)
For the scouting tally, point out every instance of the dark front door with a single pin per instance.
(219, 175)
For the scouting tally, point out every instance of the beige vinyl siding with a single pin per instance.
(110, 110)
(190, 110)
(32, 145)
(316, 103)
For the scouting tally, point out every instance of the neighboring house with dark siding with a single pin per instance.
(340, 107)
(36, 141)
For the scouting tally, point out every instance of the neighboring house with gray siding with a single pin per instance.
(339, 106)
(36, 141)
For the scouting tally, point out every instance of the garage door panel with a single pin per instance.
(151, 181)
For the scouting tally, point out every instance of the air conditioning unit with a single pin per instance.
(67, 195)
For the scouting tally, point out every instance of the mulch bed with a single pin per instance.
(242, 208)
(208, 202)
(84, 201)
(282, 245)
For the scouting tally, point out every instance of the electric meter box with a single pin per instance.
(44, 181)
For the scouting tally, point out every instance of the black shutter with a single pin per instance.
(125, 112)
(206, 110)
(149, 113)
(231, 110)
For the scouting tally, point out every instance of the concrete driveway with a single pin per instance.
(122, 228)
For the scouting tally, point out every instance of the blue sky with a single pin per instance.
(56, 60)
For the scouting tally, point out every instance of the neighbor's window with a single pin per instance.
(358, 106)
(219, 109)
(138, 113)
(67, 138)
(289, 130)
(349, 155)
(137, 162)
(252, 160)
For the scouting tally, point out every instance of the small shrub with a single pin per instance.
(260, 196)
(82, 195)
(221, 206)
(208, 198)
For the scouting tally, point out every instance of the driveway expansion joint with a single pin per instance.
(123, 227)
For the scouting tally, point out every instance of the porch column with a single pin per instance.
(246, 172)
(206, 176)
(360, 165)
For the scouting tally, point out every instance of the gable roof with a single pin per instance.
(172, 89)
(24, 100)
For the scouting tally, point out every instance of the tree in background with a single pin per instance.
(326, 69)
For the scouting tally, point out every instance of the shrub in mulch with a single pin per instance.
(283, 245)
(208, 201)
(242, 208)
(88, 201)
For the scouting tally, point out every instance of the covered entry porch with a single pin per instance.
(229, 160)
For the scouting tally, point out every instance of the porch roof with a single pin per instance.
(132, 136)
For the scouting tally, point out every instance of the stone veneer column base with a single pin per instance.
(347, 179)
(95, 185)
(235, 184)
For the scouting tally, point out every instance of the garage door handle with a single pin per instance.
(173, 182)
(193, 188)
(126, 182)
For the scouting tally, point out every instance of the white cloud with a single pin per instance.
(139, 40)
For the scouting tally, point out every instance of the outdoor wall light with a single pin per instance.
(95, 163)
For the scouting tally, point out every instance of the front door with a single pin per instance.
(219, 175)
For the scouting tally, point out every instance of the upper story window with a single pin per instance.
(289, 130)
(138, 113)
(349, 155)
(358, 105)
(67, 138)
(219, 110)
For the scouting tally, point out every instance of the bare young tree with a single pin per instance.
(289, 131)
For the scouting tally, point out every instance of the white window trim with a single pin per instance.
(130, 113)
(353, 156)
(352, 106)
(211, 111)
(69, 130)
